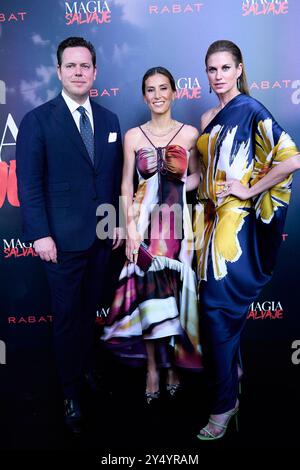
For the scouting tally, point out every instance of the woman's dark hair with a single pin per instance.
(162, 71)
(75, 41)
(228, 46)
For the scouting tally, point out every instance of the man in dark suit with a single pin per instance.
(69, 161)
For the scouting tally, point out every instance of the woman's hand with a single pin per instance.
(132, 244)
(118, 237)
(233, 187)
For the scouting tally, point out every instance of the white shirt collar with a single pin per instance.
(72, 105)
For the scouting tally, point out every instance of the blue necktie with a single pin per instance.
(86, 132)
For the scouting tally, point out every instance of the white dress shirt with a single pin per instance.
(72, 105)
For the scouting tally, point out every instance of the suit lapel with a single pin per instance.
(65, 119)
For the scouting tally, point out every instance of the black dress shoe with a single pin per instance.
(73, 416)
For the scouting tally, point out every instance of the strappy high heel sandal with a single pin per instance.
(172, 389)
(210, 436)
(151, 396)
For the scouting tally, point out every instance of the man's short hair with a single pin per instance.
(75, 41)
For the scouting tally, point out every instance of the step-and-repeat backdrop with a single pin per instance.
(130, 36)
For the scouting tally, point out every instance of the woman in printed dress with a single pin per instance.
(248, 163)
(154, 315)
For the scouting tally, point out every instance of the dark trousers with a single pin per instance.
(77, 288)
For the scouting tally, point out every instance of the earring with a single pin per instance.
(238, 83)
(209, 89)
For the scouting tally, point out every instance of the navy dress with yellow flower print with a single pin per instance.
(236, 241)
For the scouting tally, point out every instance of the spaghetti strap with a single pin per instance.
(175, 135)
(167, 143)
(147, 138)
(161, 168)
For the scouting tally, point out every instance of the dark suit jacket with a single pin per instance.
(59, 187)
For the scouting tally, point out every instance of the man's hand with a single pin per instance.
(118, 237)
(46, 249)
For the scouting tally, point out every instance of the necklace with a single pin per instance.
(164, 134)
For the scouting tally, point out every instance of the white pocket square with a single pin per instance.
(112, 137)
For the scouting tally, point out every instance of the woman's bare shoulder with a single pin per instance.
(191, 131)
(207, 117)
(132, 133)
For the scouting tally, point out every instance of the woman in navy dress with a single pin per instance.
(248, 162)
